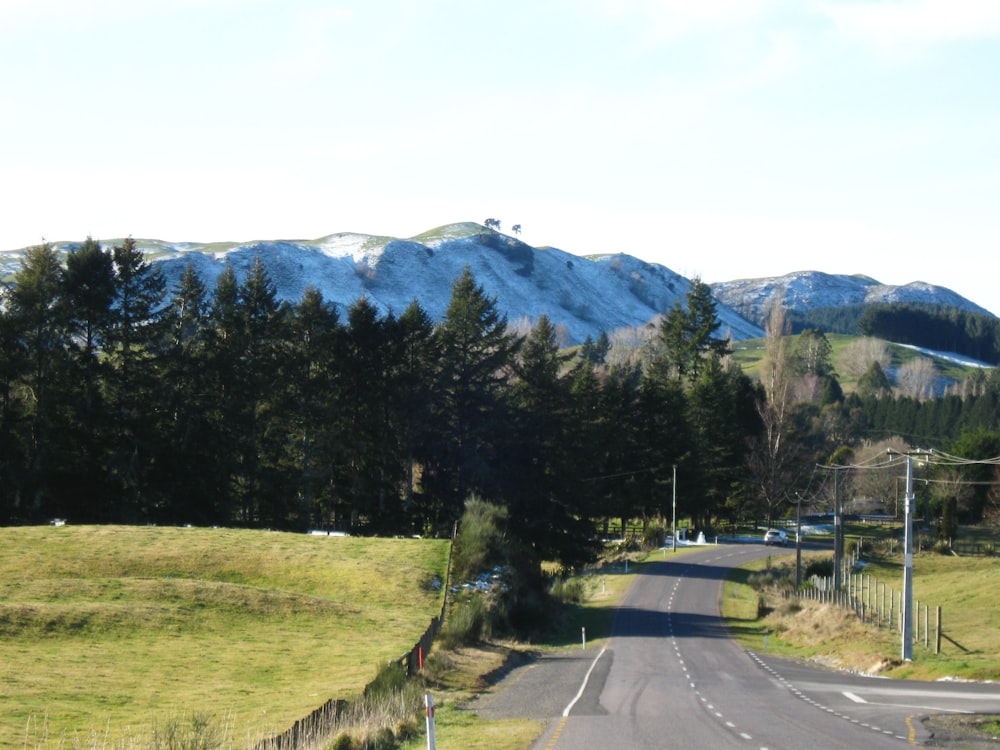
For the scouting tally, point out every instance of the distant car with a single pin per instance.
(775, 536)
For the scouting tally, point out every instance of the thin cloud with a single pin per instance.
(902, 26)
(672, 18)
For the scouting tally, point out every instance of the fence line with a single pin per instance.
(318, 725)
(875, 603)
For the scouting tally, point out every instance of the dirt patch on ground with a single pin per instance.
(965, 731)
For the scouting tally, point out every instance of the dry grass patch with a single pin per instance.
(835, 636)
(820, 632)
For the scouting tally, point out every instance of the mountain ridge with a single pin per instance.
(584, 295)
(801, 291)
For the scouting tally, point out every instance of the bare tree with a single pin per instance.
(771, 457)
(858, 356)
(516, 229)
(878, 481)
(916, 378)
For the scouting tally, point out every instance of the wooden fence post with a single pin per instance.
(937, 633)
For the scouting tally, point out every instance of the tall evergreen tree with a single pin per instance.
(264, 493)
(313, 400)
(132, 349)
(722, 411)
(476, 356)
(623, 456)
(542, 492)
(417, 362)
(372, 495)
(89, 285)
(187, 470)
(37, 318)
(224, 368)
(13, 450)
(687, 335)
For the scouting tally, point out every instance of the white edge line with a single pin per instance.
(583, 687)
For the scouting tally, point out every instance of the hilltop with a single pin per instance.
(584, 296)
(805, 292)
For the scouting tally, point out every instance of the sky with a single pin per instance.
(724, 139)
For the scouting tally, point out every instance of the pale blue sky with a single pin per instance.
(721, 138)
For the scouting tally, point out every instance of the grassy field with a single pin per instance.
(107, 630)
(961, 586)
(749, 355)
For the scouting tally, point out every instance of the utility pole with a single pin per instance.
(673, 521)
(798, 541)
(838, 537)
(907, 609)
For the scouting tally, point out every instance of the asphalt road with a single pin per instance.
(670, 677)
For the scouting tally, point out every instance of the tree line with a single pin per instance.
(124, 401)
(948, 329)
(940, 327)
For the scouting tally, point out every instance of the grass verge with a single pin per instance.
(833, 636)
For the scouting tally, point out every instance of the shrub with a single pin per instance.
(653, 535)
(821, 568)
(198, 732)
(569, 590)
(384, 714)
(762, 609)
(391, 678)
(791, 606)
(942, 546)
(465, 622)
(480, 541)
(437, 664)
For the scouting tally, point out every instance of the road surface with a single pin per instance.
(670, 677)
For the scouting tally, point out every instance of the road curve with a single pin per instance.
(670, 677)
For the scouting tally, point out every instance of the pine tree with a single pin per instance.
(224, 368)
(687, 336)
(191, 433)
(542, 493)
(132, 348)
(37, 321)
(476, 356)
(417, 361)
(311, 405)
(89, 289)
(264, 493)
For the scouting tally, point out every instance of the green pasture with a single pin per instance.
(749, 355)
(107, 630)
(964, 588)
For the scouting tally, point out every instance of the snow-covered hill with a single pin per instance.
(810, 290)
(587, 296)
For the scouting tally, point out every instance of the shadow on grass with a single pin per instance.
(745, 627)
(569, 623)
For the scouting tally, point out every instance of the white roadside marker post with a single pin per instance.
(429, 706)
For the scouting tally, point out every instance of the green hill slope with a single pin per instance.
(107, 630)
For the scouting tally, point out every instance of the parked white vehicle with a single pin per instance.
(775, 536)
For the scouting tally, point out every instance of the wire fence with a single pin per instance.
(312, 730)
(878, 604)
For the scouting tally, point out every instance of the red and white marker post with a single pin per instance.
(429, 705)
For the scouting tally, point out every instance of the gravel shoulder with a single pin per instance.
(962, 731)
(536, 686)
